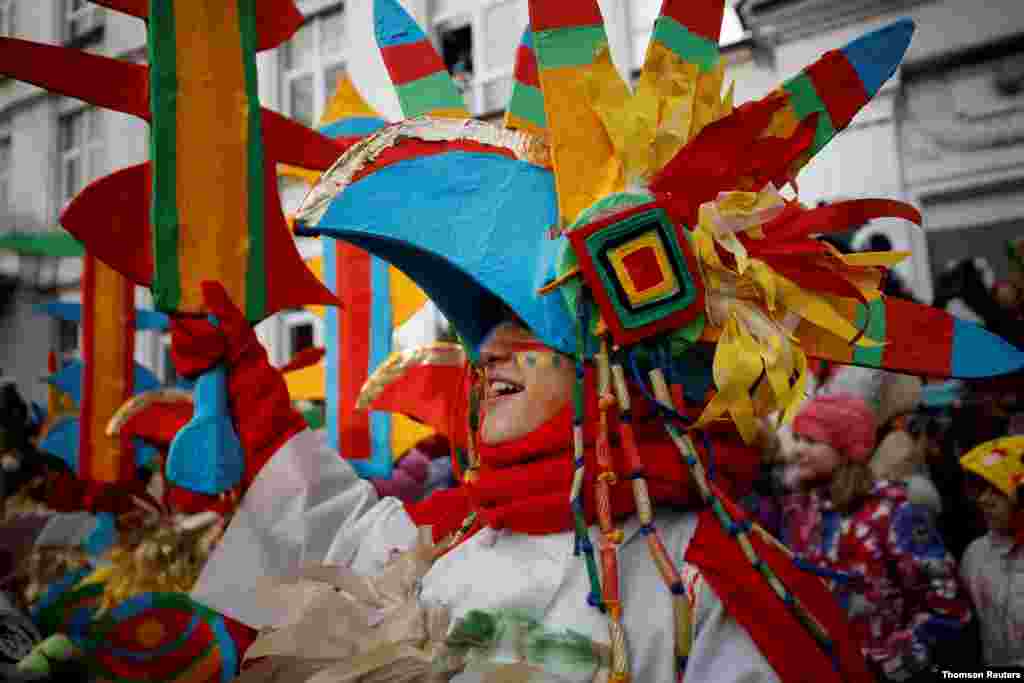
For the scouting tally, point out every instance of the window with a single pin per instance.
(83, 23)
(67, 338)
(302, 330)
(81, 151)
(301, 337)
(455, 38)
(311, 64)
(5, 173)
(479, 50)
(7, 17)
(168, 376)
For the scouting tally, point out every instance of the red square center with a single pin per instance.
(643, 268)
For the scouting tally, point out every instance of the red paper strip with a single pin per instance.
(355, 292)
(526, 67)
(553, 14)
(920, 338)
(408, 62)
(702, 17)
(838, 86)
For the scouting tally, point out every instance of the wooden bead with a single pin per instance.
(609, 572)
(643, 501)
(661, 560)
(683, 624)
(629, 449)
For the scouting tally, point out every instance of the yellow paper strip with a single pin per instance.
(107, 365)
(211, 197)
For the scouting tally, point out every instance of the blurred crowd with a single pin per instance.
(905, 494)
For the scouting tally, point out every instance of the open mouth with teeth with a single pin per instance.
(499, 388)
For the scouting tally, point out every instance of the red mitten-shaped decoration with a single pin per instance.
(261, 408)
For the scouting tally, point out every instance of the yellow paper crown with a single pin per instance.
(1000, 462)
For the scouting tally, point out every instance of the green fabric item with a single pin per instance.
(256, 280)
(55, 243)
(163, 92)
(689, 46)
(507, 635)
(572, 46)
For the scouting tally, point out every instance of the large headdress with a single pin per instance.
(635, 226)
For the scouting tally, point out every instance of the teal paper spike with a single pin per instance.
(206, 455)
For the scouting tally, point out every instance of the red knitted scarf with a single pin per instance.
(524, 485)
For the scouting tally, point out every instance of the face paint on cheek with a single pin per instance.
(528, 361)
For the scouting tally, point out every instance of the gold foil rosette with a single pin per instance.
(341, 627)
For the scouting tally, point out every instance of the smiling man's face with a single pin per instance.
(525, 383)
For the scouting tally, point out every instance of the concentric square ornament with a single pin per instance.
(641, 271)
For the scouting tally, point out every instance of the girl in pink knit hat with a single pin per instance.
(882, 555)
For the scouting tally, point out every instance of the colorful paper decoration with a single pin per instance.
(526, 104)
(999, 462)
(426, 384)
(164, 637)
(642, 272)
(106, 376)
(568, 39)
(377, 299)
(168, 229)
(417, 71)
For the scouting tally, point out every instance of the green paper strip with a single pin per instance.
(428, 94)
(562, 47)
(689, 46)
(874, 315)
(528, 103)
(163, 91)
(805, 101)
(255, 280)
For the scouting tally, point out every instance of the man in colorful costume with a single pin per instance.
(559, 284)
(701, 251)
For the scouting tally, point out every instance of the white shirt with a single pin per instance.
(308, 506)
(994, 574)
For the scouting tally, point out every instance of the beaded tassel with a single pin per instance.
(739, 531)
(611, 537)
(582, 539)
(472, 472)
(645, 511)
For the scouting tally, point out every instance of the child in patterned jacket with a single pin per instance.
(882, 554)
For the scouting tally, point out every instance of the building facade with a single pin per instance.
(947, 133)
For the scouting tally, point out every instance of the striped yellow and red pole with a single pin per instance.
(108, 366)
